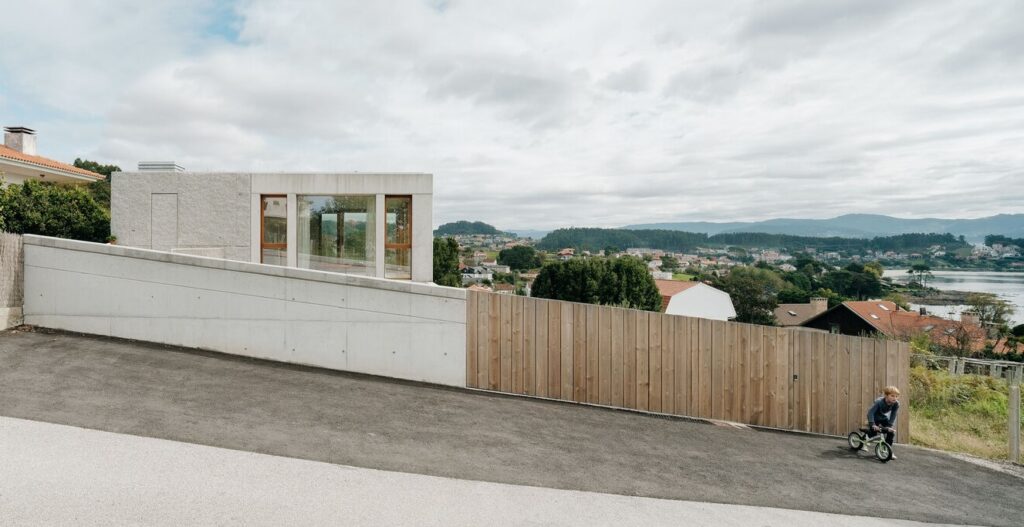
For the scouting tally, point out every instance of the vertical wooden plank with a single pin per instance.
(593, 348)
(903, 421)
(771, 376)
(654, 352)
(629, 358)
(618, 386)
(757, 392)
(820, 358)
(554, 349)
(832, 370)
(784, 383)
(530, 346)
(892, 361)
(799, 419)
(730, 364)
(505, 302)
(471, 332)
(494, 343)
(843, 385)
(867, 382)
(681, 387)
(880, 361)
(542, 348)
(853, 421)
(718, 355)
(567, 346)
(605, 356)
(483, 337)
(705, 369)
(579, 353)
(744, 381)
(642, 360)
(693, 403)
(517, 344)
(668, 364)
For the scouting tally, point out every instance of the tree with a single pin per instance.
(754, 293)
(669, 263)
(53, 210)
(921, 272)
(875, 268)
(93, 166)
(620, 282)
(520, 258)
(446, 262)
(991, 310)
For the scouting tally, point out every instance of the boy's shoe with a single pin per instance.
(893, 457)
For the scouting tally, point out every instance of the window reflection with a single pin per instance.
(336, 233)
(398, 243)
(274, 242)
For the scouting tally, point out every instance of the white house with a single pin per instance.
(376, 225)
(20, 162)
(695, 299)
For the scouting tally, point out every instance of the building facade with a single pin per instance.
(377, 225)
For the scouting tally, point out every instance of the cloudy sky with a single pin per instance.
(553, 113)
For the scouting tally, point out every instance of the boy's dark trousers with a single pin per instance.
(888, 435)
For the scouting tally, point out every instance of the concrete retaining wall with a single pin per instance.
(392, 328)
(11, 280)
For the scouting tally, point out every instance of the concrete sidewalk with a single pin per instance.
(136, 480)
(318, 415)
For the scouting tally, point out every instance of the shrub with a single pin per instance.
(53, 210)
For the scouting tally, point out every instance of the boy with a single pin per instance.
(882, 415)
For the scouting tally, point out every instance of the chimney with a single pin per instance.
(819, 304)
(970, 319)
(21, 139)
(922, 311)
(159, 166)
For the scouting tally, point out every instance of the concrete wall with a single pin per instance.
(182, 210)
(393, 328)
(191, 212)
(11, 280)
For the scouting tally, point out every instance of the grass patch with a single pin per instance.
(682, 277)
(965, 413)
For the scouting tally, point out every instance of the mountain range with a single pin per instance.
(859, 226)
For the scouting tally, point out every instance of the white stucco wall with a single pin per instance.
(384, 327)
(702, 301)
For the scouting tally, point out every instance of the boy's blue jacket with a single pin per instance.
(878, 411)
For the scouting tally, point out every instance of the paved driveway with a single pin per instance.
(256, 406)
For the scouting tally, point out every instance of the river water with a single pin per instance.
(1008, 286)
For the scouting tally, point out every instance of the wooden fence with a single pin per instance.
(782, 378)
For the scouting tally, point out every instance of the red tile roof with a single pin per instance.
(9, 153)
(887, 318)
(671, 288)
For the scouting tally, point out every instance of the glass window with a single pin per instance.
(274, 230)
(398, 245)
(336, 233)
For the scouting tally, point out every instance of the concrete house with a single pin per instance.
(376, 225)
(19, 162)
(695, 299)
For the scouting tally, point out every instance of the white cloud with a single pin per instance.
(552, 113)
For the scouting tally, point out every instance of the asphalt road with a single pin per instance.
(133, 480)
(345, 419)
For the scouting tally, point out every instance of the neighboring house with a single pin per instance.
(20, 162)
(694, 299)
(872, 317)
(796, 314)
(365, 224)
(474, 275)
(505, 289)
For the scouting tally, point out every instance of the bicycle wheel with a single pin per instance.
(883, 451)
(855, 440)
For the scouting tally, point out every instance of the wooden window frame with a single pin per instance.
(263, 241)
(397, 245)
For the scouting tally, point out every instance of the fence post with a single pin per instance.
(995, 370)
(952, 365)
(1015, 423)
